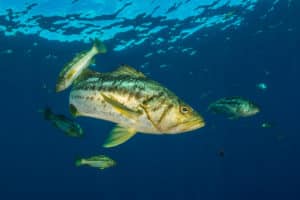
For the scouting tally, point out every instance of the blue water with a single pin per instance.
(37, 160)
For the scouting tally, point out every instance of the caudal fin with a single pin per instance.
(99, 46)
(78, 162)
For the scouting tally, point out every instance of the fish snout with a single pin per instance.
(200, 122)
(196, 123)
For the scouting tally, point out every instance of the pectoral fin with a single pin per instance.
(122, 109)
(118, 136)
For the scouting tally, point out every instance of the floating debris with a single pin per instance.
(221, 153)
(100, 162)
(258, 32)
(234, 107)
(148, 55)
(170, 48)
(163, 66)
(50, 56)
(160, 51)
(266, 125)
(193, 52)
(144, 65)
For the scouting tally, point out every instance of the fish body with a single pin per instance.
(80, 62)
(101, 162)
(132, 101)
(68, 126)
(234, 107)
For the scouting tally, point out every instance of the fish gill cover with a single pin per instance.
(67, 20)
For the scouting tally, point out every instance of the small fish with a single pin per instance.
(234, 107)
(134, 102)
(262, 86)
(101, 162)
(68, 126)
(81, 61)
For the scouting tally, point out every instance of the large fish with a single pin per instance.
(80, 62)
(132, 101)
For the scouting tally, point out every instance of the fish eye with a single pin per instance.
(184, 109)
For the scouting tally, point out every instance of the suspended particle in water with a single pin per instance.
(221, 153)
(266, 125)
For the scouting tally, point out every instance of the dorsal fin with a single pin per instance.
(128, 70)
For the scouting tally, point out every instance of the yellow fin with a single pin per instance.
(122, 109)
(128, 70)
(118, 136)
(99, 46)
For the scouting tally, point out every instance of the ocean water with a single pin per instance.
(201, 50)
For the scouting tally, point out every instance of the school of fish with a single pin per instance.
(133, 101)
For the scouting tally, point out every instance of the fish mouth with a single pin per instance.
(193, 124)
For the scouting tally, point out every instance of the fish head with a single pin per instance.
(108, 162)
(249, 109)
(182, 118)
(112, 163)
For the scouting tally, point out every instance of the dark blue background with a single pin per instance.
(37, 160)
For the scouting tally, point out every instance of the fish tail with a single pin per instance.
(78, 162)
(99, 46)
